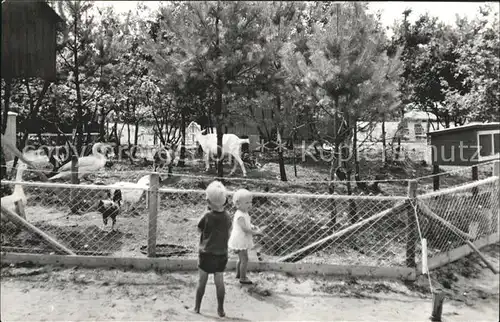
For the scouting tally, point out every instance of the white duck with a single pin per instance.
(35, 157)
(86, 165)
(12, 148)
(18, 193)
(144, 182)
(129, 192)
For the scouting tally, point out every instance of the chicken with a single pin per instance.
(109, 209)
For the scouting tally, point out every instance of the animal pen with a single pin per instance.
(358, 235)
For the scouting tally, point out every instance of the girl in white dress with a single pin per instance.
(241, 238)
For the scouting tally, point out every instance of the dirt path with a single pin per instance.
(81, 294)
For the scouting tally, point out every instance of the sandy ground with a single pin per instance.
(57, 294)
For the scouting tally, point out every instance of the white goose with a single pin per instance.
(35, 158)
(18, 194)
(86, 165)
(12, 148)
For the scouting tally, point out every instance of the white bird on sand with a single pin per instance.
(34, 156)
(86, 165)
(18, 194)
(130, 192)
(12, 148)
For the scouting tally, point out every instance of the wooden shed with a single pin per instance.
(466, 145)
(29, 39)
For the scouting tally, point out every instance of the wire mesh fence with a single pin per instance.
(449, 217)
(307, 227)
(313, 228)
(451, 176)
(80, 217)
(321, 229)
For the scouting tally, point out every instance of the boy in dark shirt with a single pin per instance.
(214, 227)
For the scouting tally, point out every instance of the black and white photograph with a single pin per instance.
(250, 161)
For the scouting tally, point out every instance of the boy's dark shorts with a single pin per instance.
(211, 263)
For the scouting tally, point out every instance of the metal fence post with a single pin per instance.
(412, 235)
(153, 213)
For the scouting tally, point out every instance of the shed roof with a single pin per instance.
(44, 5)
(419, 115)
(468, 127)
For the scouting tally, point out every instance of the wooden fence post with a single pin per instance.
(435, 179)
(475, 177)
(437, 305)
(412, 236)
(154, 184)
(74, 202)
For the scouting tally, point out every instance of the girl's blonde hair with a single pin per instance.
(241, 194)
(216, 193)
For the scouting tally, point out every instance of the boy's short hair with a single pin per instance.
(241, 194)
(216, 193)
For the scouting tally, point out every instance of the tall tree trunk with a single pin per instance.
(79, 107)
(182, 157)
(34, 109)
(136, 138)
(333, 167)
(447, 119)
(384, 142)
(210, 122)
(281, 160)
(117, 139)
(102, 124)
(398, 148)
(128, 135)
(357, 175)
(88, 124)
(219, 110)
(136, 134)
(353, 213)
(335, 164)
(220, 133)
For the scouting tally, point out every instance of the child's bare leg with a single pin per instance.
(221, 291)
(200, 291)
(238, 265)
(243, 258)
